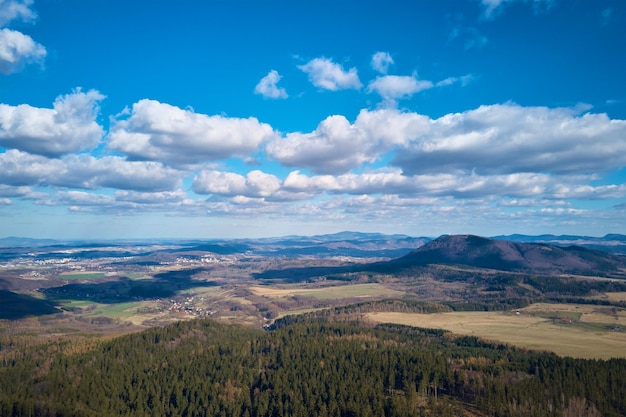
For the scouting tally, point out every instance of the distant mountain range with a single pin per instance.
(613, 242)
(508, 255)
(349, 244)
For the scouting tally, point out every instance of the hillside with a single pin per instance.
(310, 367)
(536, 258)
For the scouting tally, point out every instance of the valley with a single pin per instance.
(346, 324)
(84, 290)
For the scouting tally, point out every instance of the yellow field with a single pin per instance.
(523, 330)
(615, 296)
(587, 313)
(327, 293)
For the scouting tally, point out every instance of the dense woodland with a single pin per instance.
(304, 367)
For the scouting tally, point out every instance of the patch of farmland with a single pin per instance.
(522, 330)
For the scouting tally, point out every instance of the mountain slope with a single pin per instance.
(505, 255)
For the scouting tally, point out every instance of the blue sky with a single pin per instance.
(237, 118)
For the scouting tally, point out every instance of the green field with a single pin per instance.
(81, 275)
(120, 310)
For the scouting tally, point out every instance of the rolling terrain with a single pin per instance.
(147, 323)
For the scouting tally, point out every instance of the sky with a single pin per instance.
(258, 118)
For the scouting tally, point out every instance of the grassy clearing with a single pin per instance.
(327, 293)
(81, 275)
(120, 310)
(523, 330)
(137, 276)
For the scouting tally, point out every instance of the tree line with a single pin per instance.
(307, 367)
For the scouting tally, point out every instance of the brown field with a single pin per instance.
(614, 296)
(326, 293)
(611, 316)
(523, 330)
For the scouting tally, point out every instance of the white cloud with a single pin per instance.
(17, 50)
(86, 172)
(337, 146)
(463, 80)
(76, 199)
(16, 10)
(508, 138)
(11, 191)
(70, 126)
(150, 198)
(394, 87)
(20, 168)
(177, 137)
(267, 87)
(326, 74)
(381, 62)
(255, 184)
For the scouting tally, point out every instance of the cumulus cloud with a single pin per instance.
(17, 50)
(255, 184)
(381, 62)
(394, 87)
(20, 168)
(177, 137)
(268, 87)
(337, 146)
(16, 10)
(326, 74)
(508, 138)
(11, 191)
(333, 147)
(70, 126)
(85, 171)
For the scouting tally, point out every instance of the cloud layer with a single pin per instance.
(506, 160)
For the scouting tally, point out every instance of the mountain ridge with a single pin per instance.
(506, 255)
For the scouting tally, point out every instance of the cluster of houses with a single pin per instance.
(187, 307)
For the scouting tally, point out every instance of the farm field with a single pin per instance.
(82, 275)
(613, 296)
(529, 329)
(327, 293)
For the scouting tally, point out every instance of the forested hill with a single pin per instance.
(307, 368)
(505, 255)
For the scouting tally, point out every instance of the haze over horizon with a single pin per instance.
(244, 119)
